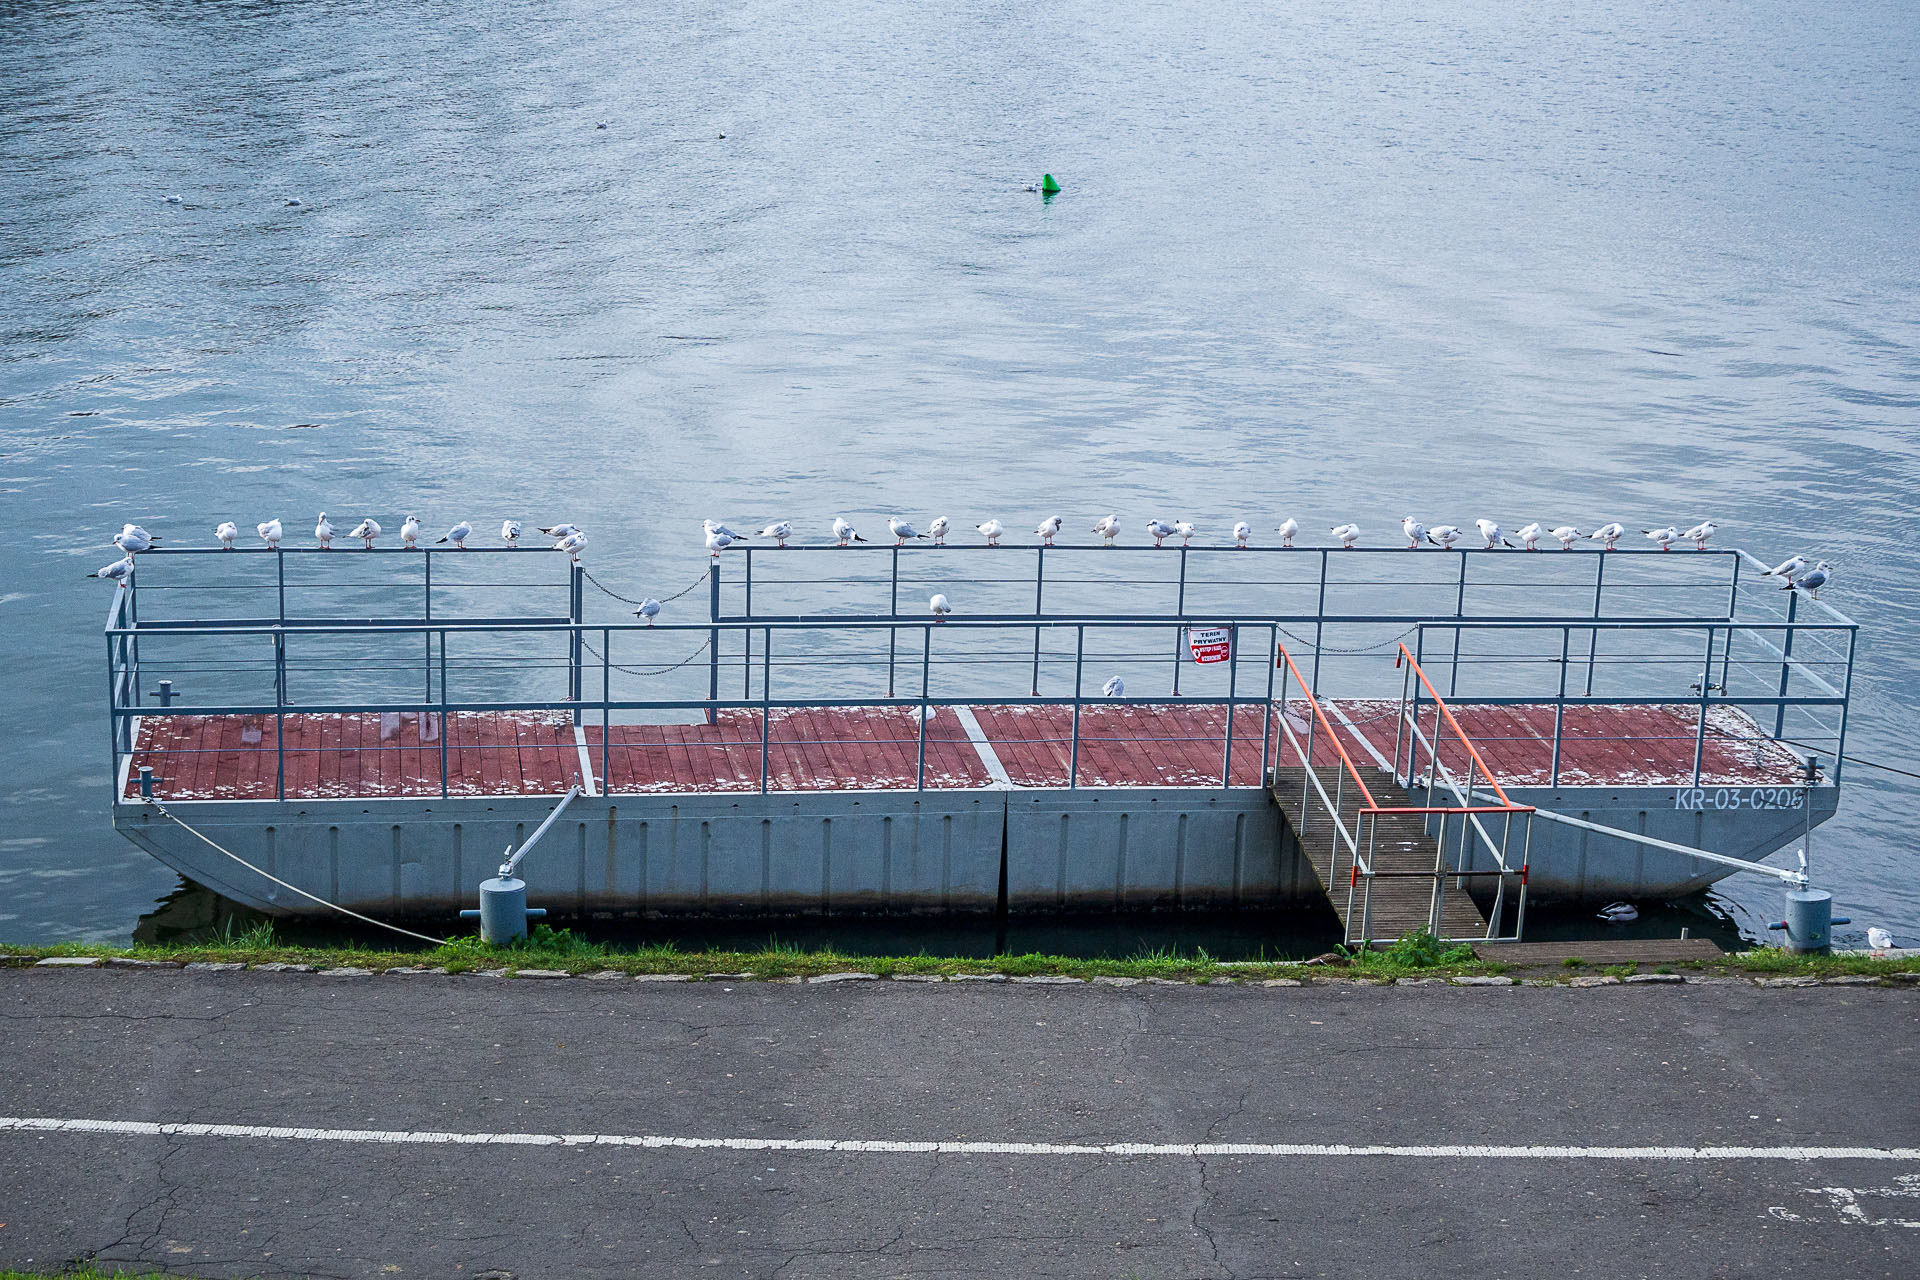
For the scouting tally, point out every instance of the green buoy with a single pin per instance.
(1048, 187)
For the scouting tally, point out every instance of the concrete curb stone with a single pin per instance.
(1109, 981)
(1282, 982)
(539, 973)
(128, 962)
(823, 978)
(1051, 980)
(72, 962)
(215, 966)
(977, 977)
(664, 977)
(1788, 982)
(1851, 980)
(1476, 980)
(1655, 977)
(346, 971)
(487, 973)
(601, 975)
(282, 966)
(919, 977)
(1595, 980)
(409, 969)
(1419, 982)
(728, 977)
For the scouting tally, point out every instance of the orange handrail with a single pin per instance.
(1460, 733)
(1332, 737)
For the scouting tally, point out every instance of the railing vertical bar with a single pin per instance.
(1179, 611)
(1079, 667)
(1233, 684)
(1039, 595)
(446, 729)
(1459, 611)
(893, 611)
(1268, 747)
(766, 704)
(1560, 707)
(713, 639)
(926, 676)
(280, 715)
(1319, 622)
(1593, 633)
(1846, 696)
(1706, 694)
(606, 711)
(1786, 654)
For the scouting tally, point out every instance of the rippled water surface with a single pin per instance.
(1636, 260)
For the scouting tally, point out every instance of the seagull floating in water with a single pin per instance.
(1047, 528)
(574, 543)
(293, 202)
(1186, 529)
(938, 530)
(171, 199)
(1700, 533)
(1348, 534)
(323, 532)
(940, 607)
(1789, 569)
(1286, 529)
(1607, 534)
(779, 531)
(843, 533)
(1618, 913)
(649, 609)
(1241, 532)
(1812, 580)
(458, 535)
(718, 539)
(510, 532)
(991, 531)
(1663, 536)
(1879, 939)
(1491, 532)
(367, 530)
(271, 533)
(118, 571)
(1566, 535)
(1415, 531)
(1444, 535)
(226, 531)
(1529, 535)
(902, 531)
(1108, 527)
(410, 533)
(1159, 531)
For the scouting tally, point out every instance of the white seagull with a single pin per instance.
(1287, 528)
(510, 532)
(574, 543)
(1047, 528)
(1491, 532)
(1700, 533)
(649, 609)
(1108, 527)
(226, 531)
(1186, 530)
(1415, 531)
(1529, 535)
(1619, 913)
(367, 530)
(1241, 532)
(941, 608)
(1789, 569)
(714, 526)
(132, 539)
(1348, 534)
(779, 531)
(718, 540)
(323, 532)
(271, 533)
(1566, 535)
(118, 571)
(1443, 535)
(1159, 531)
(992, 530)
(843, 533)
(1607, 534)
(410, 533)
(1879, 939)
(902, 531)
(1665, 537)
(555, 531)
(458, 535)
(1812, 580)
(938, 530)
(1115, 687)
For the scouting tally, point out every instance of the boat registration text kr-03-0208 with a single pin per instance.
(1695, 798)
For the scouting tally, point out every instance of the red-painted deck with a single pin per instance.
(877, 748)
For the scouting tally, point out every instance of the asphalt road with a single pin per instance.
(1608, 1067)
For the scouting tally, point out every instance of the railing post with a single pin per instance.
(279, 713)
(1706, 693)
(1079, 667)
(1786, 653)
(926, 674)
(1039, 595)
(1560, 707)
(446, 729)
(1268, 747)
(1846, 703)
(606, 710)
(766, 703)
(893, 611)
(1593, 634)
(280, 570)
(1179, 611)
(1233, 684)
(1733, 604)
(1459, 611)
(713, 642)
(1400, 735)
(576, 639)
(1319, 622)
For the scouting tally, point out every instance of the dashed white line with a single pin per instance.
(586, 762)
(880, 1146)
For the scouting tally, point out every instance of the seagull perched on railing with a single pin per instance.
(556, 531)
(1566, 535)
(458, 535)
(1415, 531)
(367, 530)
(940, 607)
(574, 543)
(843, 533)
(714, 526)
(1186, 529)
(1348, 534)
(1491, 532)
(226, 531)
(938, 530)
(1108, 527)
(510, 532)
(1444, 536)
(118, 571)
(1159, 531)
(649, 609)
(1664, 536)
(1789, 569)
(1700, 533)
(1047, 528)
(902, 531)
(271, 533)
(132, 539)
(410, 533)
(718, 539)
(992, 530)
(1286, 529)
(779, 531)
(1115, 687)
(1812, 580)
(1241, 532)
(323, 532)
(1529, 535)
(1607, 534)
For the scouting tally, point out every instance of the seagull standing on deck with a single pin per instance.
(458, 535)
(367, 530)
(226, 531)
(271, 533)
(1529, 535)
(118, 571)
(1286, 529)
(1566, 535)
(1665, 537)
(649, 609)
(1700, 533)
(779, 531)
(1491, 532)
(844, 533)
(323, 532)
(991, 530)
(1607, 534)
(1789, 569)
(940, 607)
(1414, 530)
(1812, 580)
(1047, 528)
(1241, 532)
(902, 531)
(510, 532)
(1348, 534)
(938, 530)
(410, 533)
(1108, 527)
(1444, 536)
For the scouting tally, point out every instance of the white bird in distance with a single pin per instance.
(1415, 531)
(1348, 534)
(1286, 529)
(1529, 535)
(323, 532)
(226, 531)
(1108, 527)
(991, 531)
(458, 535)
(937, 530)
(1608, 534)
(844, 533)
(1700, 533)
(649, 609)
(1047, 528)
(410, 533)
(367, 530)
(779, 531)
(902, 531)
(1444, 536)
(271, 533)
(940, 606)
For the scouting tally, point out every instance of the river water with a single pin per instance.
(1554, 261)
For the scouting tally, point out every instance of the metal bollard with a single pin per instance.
(146, 782)
(503, 912)
(1809, 923)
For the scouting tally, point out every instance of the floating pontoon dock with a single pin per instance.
(376, 727)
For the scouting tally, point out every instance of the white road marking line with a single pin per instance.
(1333, 709)
(586, 762)
(983, 748)
(872, 1146)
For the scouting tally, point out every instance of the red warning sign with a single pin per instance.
(1210, 644)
